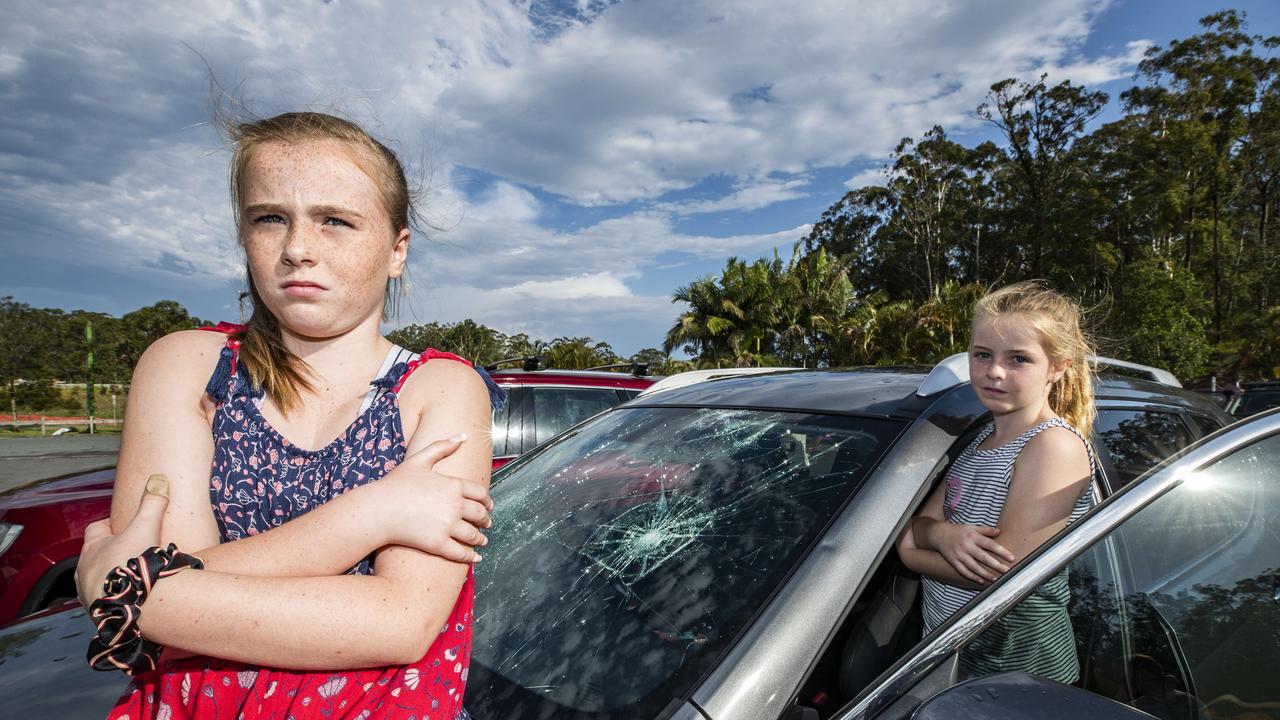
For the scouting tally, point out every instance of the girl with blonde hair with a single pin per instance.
(1025, 477)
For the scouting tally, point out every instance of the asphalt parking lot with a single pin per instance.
(27, 459)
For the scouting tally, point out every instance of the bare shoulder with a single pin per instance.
(447, 386)
(186, 357)
(1055, 452)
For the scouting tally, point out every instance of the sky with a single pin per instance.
(580, 159)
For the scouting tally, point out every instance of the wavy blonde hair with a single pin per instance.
(271, 366)
(1058, 321)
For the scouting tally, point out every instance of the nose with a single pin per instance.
(297, 250)
(995, 370)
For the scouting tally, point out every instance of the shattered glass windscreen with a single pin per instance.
(626, 557)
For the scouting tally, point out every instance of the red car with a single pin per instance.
(542, 403)
(41, 525)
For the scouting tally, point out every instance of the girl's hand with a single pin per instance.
(438, 514)
(102, 551)
(971, 550)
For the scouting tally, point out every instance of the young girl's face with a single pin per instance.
(1008, 365)
(319, 242)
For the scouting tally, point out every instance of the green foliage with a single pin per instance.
(483, 345)
(1160, 317)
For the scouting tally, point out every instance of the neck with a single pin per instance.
(1012, 424)
(352, 351)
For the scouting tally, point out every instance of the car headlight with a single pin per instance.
(8, 533)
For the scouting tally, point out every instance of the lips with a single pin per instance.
(302, 288)
(994, 391)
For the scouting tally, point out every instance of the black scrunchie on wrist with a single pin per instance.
(118, 644)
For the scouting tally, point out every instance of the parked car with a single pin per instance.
(542, 402)
(1255, 397)
(41, 525)
(724, 550)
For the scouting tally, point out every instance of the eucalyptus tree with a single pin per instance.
(1040, 124)
(1198, 98)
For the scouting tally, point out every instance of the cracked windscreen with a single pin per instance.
(627, 556)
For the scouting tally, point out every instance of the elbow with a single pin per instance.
(414, 634)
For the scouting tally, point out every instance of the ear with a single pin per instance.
(399, 253)
(1059, 369)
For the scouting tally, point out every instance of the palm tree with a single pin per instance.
(703, 327)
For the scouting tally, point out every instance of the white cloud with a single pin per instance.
(747, 196)
(581, 287)
(870, 176)
(654, 96)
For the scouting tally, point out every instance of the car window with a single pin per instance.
(1206, 425)
(555, 409)
(1255, 401)
(1137, 440)
(1175, 613)
(628, 555)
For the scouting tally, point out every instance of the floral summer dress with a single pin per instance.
(258, 481)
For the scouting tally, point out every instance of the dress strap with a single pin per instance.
(1058, 422)
(401, 372)
(228, 375)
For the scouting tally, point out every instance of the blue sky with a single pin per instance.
(583, 158)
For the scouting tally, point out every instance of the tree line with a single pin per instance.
(1162, 223)
(47, 344)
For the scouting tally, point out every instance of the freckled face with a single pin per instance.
(319, 242)
(1008, 366)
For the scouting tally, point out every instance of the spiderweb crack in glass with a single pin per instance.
(631, 549)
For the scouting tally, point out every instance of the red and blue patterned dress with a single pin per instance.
(260, 480)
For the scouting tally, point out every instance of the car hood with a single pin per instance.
(96, 483)
(43, 672)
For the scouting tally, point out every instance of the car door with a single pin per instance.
(1175, 595)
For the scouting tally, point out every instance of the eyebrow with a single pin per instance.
(315, 210)
(1014, 351)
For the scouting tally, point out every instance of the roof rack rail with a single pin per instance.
(954, 370)
(1146, 372)
(528, 363)
(639, 369)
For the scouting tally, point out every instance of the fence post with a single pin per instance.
(42, 424)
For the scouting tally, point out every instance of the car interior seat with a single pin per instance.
(891, 624)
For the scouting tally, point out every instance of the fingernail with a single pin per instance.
(478, 559)
(158, 484)
(460, 437)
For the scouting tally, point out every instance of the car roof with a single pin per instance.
(867, 390)
(880, 391)
(1122, 387)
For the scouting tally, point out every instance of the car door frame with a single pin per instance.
(932, 666)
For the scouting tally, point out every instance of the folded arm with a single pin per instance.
(271, 599)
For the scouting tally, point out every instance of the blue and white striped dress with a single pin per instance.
(1036, 636)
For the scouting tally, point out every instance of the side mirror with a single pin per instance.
(1019, 696)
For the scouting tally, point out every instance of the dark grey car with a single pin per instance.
(722, 550)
